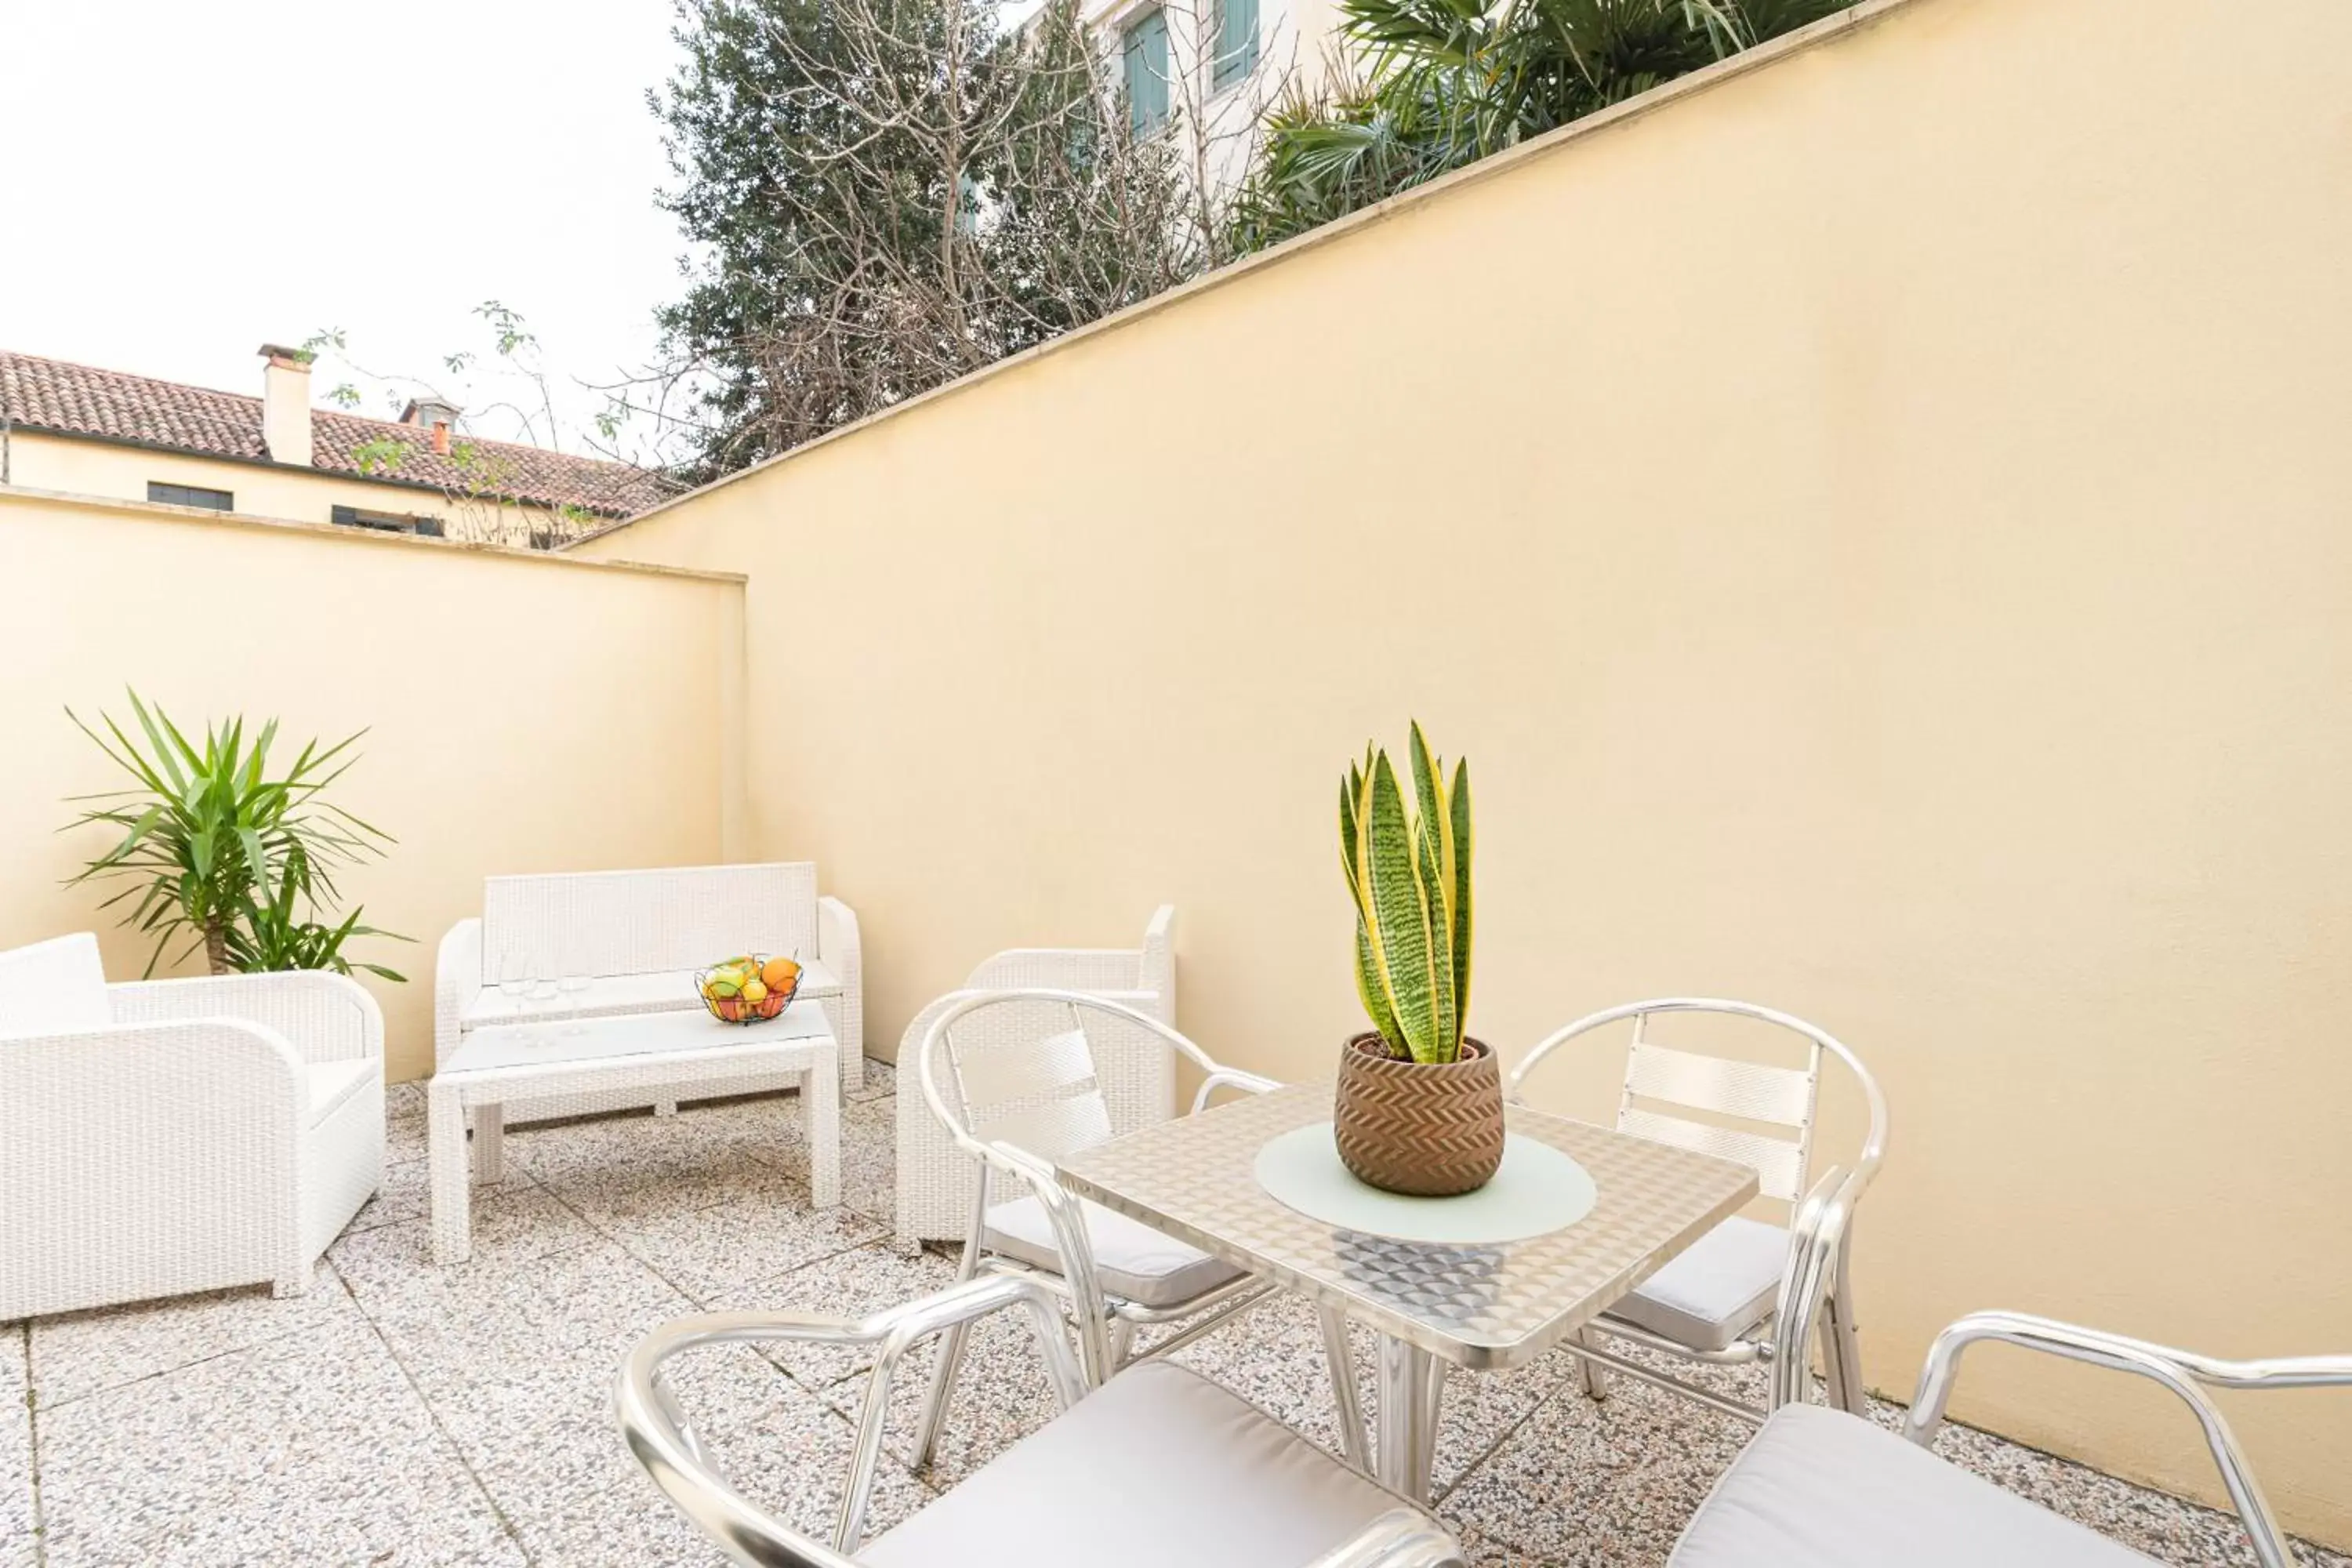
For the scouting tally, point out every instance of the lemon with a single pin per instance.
(753, 992)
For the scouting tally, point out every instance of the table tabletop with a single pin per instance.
(579, 1042)
(1482, 1307)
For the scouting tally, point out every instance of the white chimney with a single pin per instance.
(286, 406)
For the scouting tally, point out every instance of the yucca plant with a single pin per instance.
(208, 834)
(1408, 869)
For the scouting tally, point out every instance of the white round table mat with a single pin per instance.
(1538, 1190)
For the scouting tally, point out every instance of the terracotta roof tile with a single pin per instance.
(108, 405)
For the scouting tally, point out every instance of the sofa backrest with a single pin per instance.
(643, 923)
(52, 987)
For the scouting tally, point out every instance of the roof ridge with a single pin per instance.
(72, 398)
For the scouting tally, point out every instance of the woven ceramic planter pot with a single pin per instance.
(1430, 1130)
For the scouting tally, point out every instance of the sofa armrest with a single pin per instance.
(457, 981)
(148, 1159)
(326, 1017)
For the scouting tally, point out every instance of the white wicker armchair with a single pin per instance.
(637, 937)
(177, 1135)
(935, 1179)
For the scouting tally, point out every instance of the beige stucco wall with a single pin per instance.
(74, 466)
(1878, 526)
(525, 712)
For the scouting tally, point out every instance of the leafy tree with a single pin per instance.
(1447, 82)
(887, 194)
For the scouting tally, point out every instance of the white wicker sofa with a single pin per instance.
(937, 1180)
(177, 1135)
(638, 937)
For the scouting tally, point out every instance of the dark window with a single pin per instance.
(387, 522)
(191, 495)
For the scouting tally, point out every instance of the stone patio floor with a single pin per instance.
(404, 1414)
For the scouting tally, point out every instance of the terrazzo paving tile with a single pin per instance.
(1606, 1483)
(1273, 1357)
(511, 1221)
(82, 1354)
(406, 1194)
(881, 1082)
(453, 1327)
(708, 1253)
(698, 1136)
(848, 1285)
(308, 1448)
(16, 1539)
(405, 1139)
(403, 1100)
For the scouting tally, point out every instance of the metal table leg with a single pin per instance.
(1412, 1396)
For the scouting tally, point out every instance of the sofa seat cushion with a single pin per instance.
(1712, 1292)
(656, 991)
(1157, 1468)
(1135, 1262)
(1819, 1488)
(332, 1083)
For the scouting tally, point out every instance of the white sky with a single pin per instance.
(187, 179)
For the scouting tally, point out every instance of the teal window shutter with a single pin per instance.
(1147, 73)
(1236, 41)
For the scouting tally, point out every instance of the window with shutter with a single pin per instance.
(1236, 41)
(1147, 73)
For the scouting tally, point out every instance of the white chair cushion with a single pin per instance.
(1135, 1262)
(53, 986)
(331, 1083)
(1719, 1288)
(1819, 1488)
(1157, 1468)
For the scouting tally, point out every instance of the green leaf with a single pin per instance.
(1403, 949)
(1458, 804)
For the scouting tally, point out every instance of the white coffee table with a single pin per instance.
(693, 1050)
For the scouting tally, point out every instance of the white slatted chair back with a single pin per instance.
(1053, 1073)
(54, 985)
(1665, 1083)
(1032, 1089)
(645, 922)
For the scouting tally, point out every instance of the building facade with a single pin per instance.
(81, 430)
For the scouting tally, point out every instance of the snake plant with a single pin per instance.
(1408, 869)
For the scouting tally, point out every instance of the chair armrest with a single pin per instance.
(457, 981)
(660, 1438)
(2186, 1374)
(327, 1017)
(1400, 1537)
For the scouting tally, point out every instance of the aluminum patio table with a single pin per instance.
(1488, 1307)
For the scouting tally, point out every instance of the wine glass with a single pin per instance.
(572, 983)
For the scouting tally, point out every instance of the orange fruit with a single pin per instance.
(780, 974)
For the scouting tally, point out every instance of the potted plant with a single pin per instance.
(218, 849)
(1420, 1104)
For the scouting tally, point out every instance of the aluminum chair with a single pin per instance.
(1823, 1489)
(1159, 1467)
(1012, 1076)
(1736, 1296)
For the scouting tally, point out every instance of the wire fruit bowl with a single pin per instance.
(738, 991)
